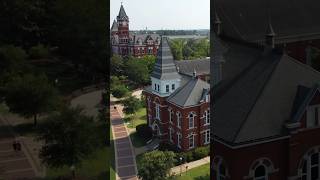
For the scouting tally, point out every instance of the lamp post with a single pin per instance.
(72, 168)
(180, 166)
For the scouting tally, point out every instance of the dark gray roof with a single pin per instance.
(256, 102)
(303, 97)
(202, 66)
(143, 37)
(114, 26)
(122, 14)
(190, 94)
(291, 19)
(164, 67)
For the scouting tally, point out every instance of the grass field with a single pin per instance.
(198, 173)
(136, 119)
(95, 166)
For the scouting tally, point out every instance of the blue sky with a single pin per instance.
(164, 14)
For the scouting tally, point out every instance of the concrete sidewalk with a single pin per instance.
(176, 170)
(125, 161)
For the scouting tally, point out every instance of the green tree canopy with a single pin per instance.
(30, 95)
(156, 165)
(131, 104)
(69, 136)
(137, 71)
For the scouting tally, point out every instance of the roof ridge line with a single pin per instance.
(302, 64)
(256, 99)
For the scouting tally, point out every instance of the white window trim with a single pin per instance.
(188, 117)
(179, 139)
(205, 137)
(192, 135)
(179, 120)
(171, 132)
(157, 107)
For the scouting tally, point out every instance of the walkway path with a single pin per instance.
(90, 102)
(124, 153)
(176, 170)
(14, 165)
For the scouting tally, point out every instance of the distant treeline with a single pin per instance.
(175, 32)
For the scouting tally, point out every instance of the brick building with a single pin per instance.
(178, 102)
(266, 95)
(125, 43)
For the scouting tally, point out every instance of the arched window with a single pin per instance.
(171, 113)
(191, 120)
(221, 173)
(260, 173)
(178, 119)
(310, 165)
(220, 168)
(261, 169)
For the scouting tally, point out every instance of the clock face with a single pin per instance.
(124, 23)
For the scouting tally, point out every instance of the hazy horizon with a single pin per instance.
(167, 15)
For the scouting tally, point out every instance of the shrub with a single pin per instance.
(144, 131)
(165, 146)
(201, 152)
(39, 51)
(119, 91)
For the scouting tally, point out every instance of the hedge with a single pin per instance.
(144, 131)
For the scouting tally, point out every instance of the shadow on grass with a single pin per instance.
(206, 177)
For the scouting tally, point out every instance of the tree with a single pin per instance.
(116, 65)
(156, 165)
(12, 58)
(119, 91)
(177, 46)
(131, 104)
(29, 95)
(69, 136)
(137, 71)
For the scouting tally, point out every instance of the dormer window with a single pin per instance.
(173, 87)
(158, 87)
(167, 88)
(312, 116)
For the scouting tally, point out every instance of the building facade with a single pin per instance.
(126, 43)
(177, 103)
(266, 95)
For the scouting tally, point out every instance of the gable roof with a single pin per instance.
(164, 67)
(190, 94)
(202, 66)
(258, 100)
(291, 20)
(303, 97)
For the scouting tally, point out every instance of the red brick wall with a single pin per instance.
(198, 122)
(238, 161)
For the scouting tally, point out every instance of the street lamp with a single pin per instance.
(180, 165)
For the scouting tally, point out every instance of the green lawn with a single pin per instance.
(93, 167)
(198, 173)
(137, 118)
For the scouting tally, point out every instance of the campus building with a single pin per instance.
(266, 94)
(126, 43)
(177, 101)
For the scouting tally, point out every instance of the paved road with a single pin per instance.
(124, 155)
(14, 165)
(90, 102)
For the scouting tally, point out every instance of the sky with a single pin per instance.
(164, 14)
